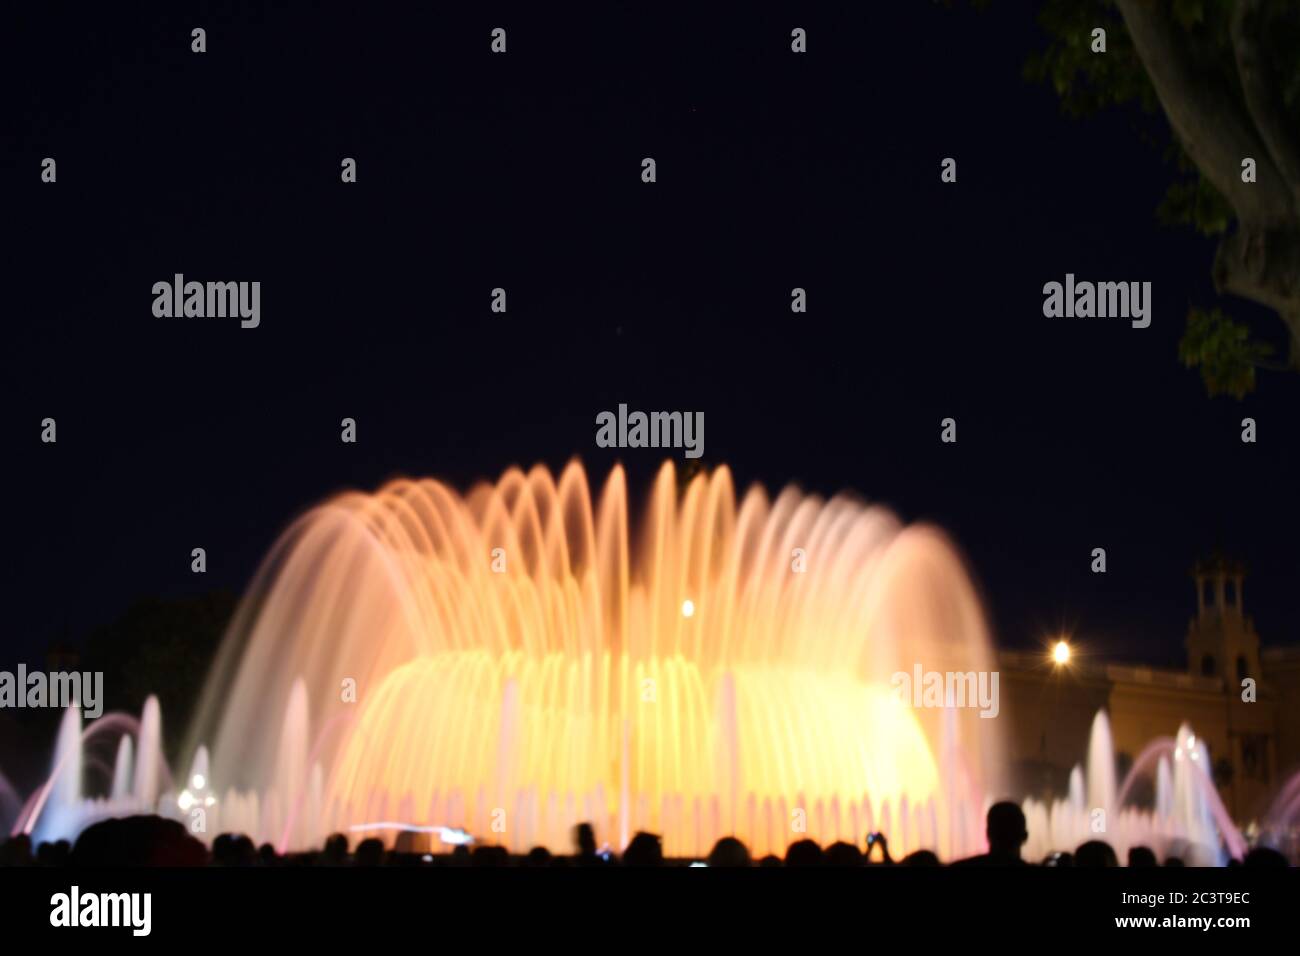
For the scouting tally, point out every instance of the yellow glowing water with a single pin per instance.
(514, 661)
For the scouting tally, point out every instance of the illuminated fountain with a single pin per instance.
(1188, 820)
(515, 661)
(59, 808)
(1282, 823)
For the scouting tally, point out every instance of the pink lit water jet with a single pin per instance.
(1188, 819)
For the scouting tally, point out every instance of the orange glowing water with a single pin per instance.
(521, 662)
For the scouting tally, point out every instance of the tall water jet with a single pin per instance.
(148, 753)
(1101, 765)
(198, 778)
(1076, 791)
(68, 759)
(518, 657)
(62, 790)
(1164, 789)
(122, 770)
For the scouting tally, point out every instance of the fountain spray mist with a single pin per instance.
(521, 662)
(513, 661)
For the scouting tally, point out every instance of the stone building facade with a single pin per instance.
(1253, 744)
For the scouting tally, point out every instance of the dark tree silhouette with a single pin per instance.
(162, 647)
(1225, 75)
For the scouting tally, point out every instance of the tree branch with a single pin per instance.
(1261, 94)
(1216, 132)
(1292, 321)
(1264, 266)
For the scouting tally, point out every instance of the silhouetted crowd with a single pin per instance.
(155, 841)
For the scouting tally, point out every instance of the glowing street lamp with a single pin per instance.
(1061, 653)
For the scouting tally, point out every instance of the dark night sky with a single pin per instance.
(523, 171)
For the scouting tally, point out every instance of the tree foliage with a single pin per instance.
(1206, 40)
(1224, 352)
(162, 647)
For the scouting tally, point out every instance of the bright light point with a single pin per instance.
(185, 800)
(1191, 741)
(1061, 652)
(454, 836)
(688, 608)
(198, 781)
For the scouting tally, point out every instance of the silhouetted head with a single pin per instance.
(1173, 861)
(223, 849)
(370, 852)
(584, 839)
(1095, 853)
(1005, 829)
(538, 856)
(803, 853)
(267, 856)
(17, 851)
(645, 849)
(1265, 857)
(336, 849)
(53, 854)
(843, 854)
(921, 858)
(138, 841)
(729, 852)
(770, 860)
(489, 856)
(245, 852)
(1141, 856)
(460, 855)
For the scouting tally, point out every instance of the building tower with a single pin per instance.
(1221, 639)
(1222, 644)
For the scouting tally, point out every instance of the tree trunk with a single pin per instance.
(1261, 260)
(1213, 125)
